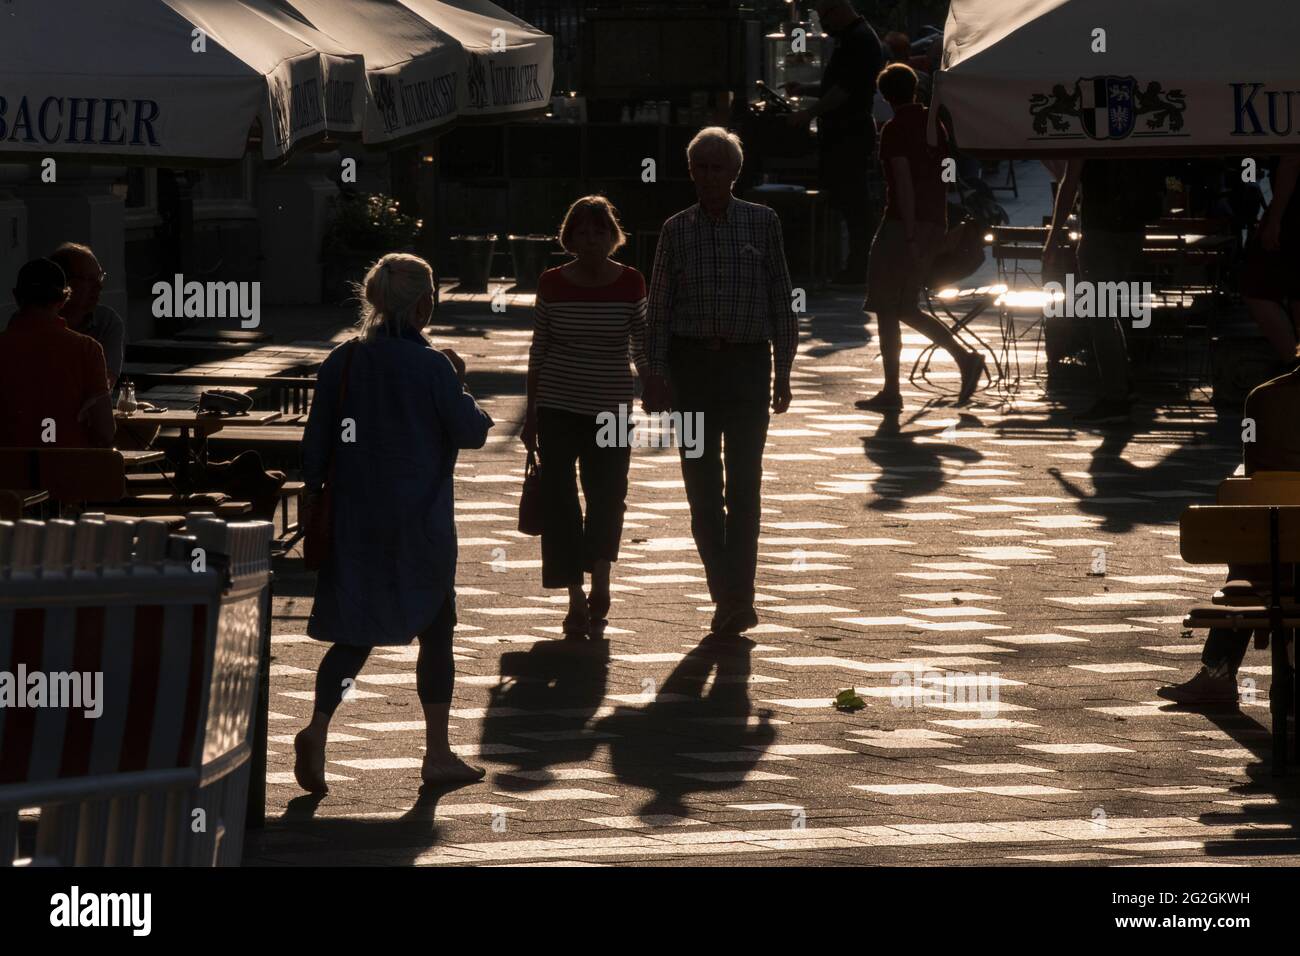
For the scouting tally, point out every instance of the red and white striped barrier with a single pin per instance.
(129, 664)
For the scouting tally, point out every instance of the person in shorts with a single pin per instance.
(913, 228)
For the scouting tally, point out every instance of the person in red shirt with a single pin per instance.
(915, 222)
(53, 382)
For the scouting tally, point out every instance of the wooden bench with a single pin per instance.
(280, 446)
(1258, 534)
(95, 479)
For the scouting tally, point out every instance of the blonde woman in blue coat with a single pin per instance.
(392, 447)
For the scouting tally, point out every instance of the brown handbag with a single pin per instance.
(318, 526)
(530, 502)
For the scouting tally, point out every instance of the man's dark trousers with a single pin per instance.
(844, 169)
(731, 388)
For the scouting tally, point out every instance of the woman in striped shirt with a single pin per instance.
(589, 319)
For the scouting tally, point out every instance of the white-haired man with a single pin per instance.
(84, 312)
(721, 334)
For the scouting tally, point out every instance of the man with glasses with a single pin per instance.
(84, 312)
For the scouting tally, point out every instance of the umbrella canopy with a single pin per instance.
(428, 63)
(182, 81)
(1178, 77)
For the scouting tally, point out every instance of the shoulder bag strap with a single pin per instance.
(343, 394)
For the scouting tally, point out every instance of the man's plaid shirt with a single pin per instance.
(723, 278)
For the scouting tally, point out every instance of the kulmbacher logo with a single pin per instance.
(74, 909)
(1107, 108)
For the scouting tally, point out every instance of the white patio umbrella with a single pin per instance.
(134, 81)
(1178, 77)
(131, 81)
(429, 63)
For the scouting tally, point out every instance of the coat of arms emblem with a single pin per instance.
(1107, 108)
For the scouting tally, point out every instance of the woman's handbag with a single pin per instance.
(318, 522)
(530, 502)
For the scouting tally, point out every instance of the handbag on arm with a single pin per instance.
(530, 502)
(318, 529)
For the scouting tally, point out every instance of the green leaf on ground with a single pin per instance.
(849, 700)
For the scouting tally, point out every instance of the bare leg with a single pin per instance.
(435, 674)
(309, 754)
(437, 737)
(577, 600)
(934, 329)
(1278, 327)
(891, 347)
(600, 583)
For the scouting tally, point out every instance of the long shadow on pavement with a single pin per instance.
(911, 468)
(545, 697)
(300, 837)
(1270, 829)
(652, 747)
(1114, 478)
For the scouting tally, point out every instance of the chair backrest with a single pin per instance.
(68, 474)
(1237, 534)
(1261, 488)
(82, 474)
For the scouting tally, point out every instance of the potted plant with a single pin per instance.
(365, 226)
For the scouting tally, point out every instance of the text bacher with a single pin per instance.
(79, 120)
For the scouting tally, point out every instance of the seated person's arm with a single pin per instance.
(97, 416)
(96, 399)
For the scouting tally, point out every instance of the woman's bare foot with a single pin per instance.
(448, 768)
(309, 761)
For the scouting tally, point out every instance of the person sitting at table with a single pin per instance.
(84, 312)
(54, 387)
(914, 224)
(1274, 408)
(589, 319)
(390, 415)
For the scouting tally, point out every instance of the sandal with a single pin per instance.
(577, 623)
(457, 771)
(309, 765)
(596, 615)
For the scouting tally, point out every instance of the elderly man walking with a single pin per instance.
(720, 316)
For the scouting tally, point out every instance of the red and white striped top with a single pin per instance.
(583, 338)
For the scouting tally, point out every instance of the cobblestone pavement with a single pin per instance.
(946, 567)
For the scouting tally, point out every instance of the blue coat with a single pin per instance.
(393, 558)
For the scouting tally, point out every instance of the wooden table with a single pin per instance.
(208, 334)
(202, 424)
(138, 458)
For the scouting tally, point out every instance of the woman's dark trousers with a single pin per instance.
(572, 542)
